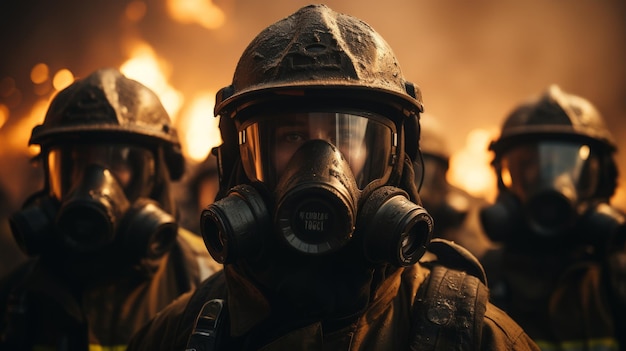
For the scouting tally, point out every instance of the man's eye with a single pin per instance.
(293, 137)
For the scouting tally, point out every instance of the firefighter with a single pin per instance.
(318, 221)
(106, 251)
(560, 271)
(454, 210)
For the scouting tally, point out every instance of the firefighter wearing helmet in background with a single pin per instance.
(318, 221)
(561, 270)
(106, 250)
(455, 211)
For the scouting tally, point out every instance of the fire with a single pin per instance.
(39, 73)
(199, 128)
(146, 67)
(470, 167)
(4, 114)
(16, 138)
(62, 79)
(202, 12)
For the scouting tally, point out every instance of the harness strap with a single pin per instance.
(205, 335)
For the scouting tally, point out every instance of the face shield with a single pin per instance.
(570, 168)
(133, 167)
(367, 141)
(552, 179)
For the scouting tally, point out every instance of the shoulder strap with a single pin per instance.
(208, 327)
(448, 311)
(209, 319)
(455, 256)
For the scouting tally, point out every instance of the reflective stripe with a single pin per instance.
(92, 347)
(600, 344)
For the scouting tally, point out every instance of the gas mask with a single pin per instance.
(97, 199)
(318, 184)
(548, 195)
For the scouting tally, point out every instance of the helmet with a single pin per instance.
(555, 115)
(317, 49)
(559, 116)
(319, 56)
(432, 140)
(108, 106)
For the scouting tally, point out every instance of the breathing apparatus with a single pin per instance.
(109, 151)
(556, 174)
(321, 124)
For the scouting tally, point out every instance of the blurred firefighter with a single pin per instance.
(455, 212)
(107, 253)
(318, 220)
(561, 270)
(196, 191)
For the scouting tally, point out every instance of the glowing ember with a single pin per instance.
(62, 79)
(39, 73)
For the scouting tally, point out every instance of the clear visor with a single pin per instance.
(566, 167)
(366, 142)
(132, 166)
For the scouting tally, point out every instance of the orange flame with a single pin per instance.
(199, 128)
(4, 114)
(202, 12)
(470, 167)
(146, 67)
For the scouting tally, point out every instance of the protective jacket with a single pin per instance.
(566, 301)
(42, 309)
(410, 310)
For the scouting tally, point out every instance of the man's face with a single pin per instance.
(347, 135)
(365, 143)
(133, 167)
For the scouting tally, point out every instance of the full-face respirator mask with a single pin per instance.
(549, 196)
(556, 175)
(318, 183)
(97, 197)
